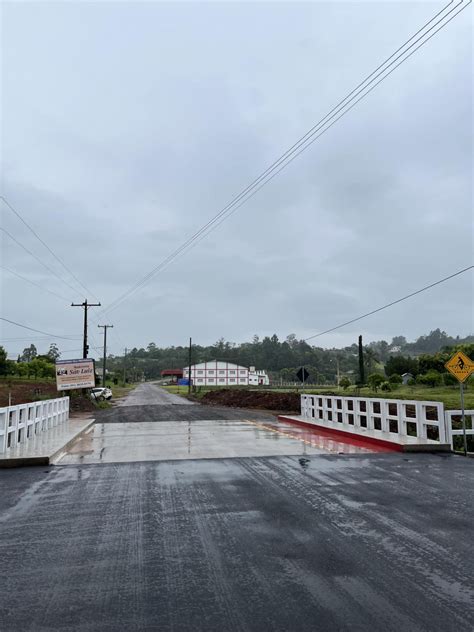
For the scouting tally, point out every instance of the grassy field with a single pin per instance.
(119, 391)
(448, 395)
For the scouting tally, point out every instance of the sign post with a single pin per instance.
(461, 367)
(72, 374)
(302, 374)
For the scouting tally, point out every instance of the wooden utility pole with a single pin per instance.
(104, 327)
(85, 305)
(189, 376)
(124, 360)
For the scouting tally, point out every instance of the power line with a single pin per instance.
(12, 322)
(399, 300)
(37, 259)
(35, 339)
(33, 283)
(303, 143)
(5, 201)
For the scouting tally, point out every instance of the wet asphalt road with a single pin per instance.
(150, 394)
(379, 543)
(150, 403)
(279, 543)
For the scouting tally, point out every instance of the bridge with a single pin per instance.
(170, 515)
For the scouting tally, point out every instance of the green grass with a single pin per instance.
(121, 390)
(448, 395)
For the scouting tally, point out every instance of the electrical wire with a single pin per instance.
(399, 300)
(298, 147)
(22, 219)
(37, 259)
(45, 289)
(12, 322)
(35, 339)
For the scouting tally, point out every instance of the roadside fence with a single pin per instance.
(23, 421)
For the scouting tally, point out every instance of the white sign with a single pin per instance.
(75, 374)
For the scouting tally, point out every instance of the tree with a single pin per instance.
(29, 353)
(431, 378)
(401, 365)
(3, 361)
(361, 362)
(370, 358)
(398, 341)
(344, 382)
(375, 380)
(53, 353)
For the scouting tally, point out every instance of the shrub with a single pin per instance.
(430, 378)
(449, 379)
(385, 386)
(411, 382)
(395, 379)
(375, 380)
(344, 382)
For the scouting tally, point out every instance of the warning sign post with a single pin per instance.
(461, 366)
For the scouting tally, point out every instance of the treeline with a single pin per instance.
(282, 358)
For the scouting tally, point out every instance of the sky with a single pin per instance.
(126, 126)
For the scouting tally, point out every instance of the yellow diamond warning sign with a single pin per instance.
(460, 366)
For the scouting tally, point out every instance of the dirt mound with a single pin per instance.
(23, 392)
(284, 402)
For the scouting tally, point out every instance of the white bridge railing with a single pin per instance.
(23, 421)
(454, 421)
(402, 419)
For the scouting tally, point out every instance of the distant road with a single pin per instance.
(147, 394)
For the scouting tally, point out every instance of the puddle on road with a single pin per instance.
(207, 439)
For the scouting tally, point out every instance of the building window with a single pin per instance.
(243, 372)
(232, 372)
(200, 379)
(211, 379)
(222, 379)
(200, 372)
(221, 372)
(232, 379)
(211, 372)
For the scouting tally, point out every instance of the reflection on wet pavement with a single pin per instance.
(205, 439)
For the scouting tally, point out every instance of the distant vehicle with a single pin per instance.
(101, 393)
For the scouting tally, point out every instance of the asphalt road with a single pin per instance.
(147, 394)
(150, 403)
(378, 543)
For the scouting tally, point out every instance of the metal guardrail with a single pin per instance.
(403, 419)
(23, 421)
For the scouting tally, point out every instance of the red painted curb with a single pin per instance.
(353, 438)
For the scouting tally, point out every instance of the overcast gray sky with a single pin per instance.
(126, 126)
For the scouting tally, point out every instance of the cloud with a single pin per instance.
(128, 126)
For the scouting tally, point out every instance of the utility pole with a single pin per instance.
(85, 305)
(189, 376)
(104, 327)
(124, 361)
